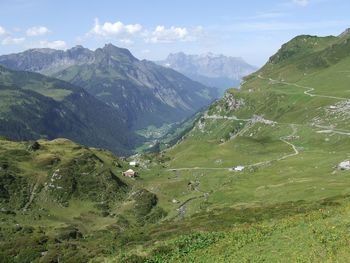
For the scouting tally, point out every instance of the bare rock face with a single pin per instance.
(210, 69)
(47, 61)
(232, 102)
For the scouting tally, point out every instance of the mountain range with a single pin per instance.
(212, 70)
(262, 175)
(140, 91)
(35, 106)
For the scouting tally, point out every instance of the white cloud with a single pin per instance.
(37, 31)
(161, 34)
(109, 29)
(128, 34)
(301, 2)
(2, 31)
(12, 40)
(58, 44)
(126, 41)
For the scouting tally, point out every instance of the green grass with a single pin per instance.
(310, 176)
(291, 202)
(86, 198)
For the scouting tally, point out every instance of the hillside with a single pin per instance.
(257, 178)
(145, 93)
(209, 69)
(34, 106)
(259, 172)
(287, 126)
(60, 201)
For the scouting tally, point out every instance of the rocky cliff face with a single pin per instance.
(213, 70)
(141, 91)
(47, 61)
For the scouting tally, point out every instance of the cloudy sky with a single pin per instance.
(252, 29)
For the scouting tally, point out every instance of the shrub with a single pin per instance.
(69, 232)
(34, 146)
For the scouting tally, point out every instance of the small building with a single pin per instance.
(238, 168)
(345, 165)
(130, 173)
(133, 163)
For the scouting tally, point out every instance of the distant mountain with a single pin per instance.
(141, 91)
(34, 106)
(212, 70)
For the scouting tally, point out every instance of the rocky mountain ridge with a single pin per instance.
(145, 93)
(210, 69)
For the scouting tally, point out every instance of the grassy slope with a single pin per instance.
(68, 200)
(310, 175)
(289, 203)
(318, 154)
(47, 87)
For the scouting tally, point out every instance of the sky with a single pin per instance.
(251, 29)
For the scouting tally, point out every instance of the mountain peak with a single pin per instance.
(210, 55)
(112, 50)
(209, 65)
(77, 47)
(111, 47)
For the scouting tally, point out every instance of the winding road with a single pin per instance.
(308, 89)
(283, 139)
(182, 208)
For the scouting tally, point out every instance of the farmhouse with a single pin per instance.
(238, 168)
(130, 173)
(133, 163)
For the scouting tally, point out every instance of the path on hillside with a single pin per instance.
(218, 117)
(282, 139)
(285, 139)
(31, 197)
(182, 207)
(330, 129)
(181, 210)
(308, 89)
(334, 131)
(307, 92)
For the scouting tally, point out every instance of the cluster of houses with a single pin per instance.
(130, 172)
(345, 165)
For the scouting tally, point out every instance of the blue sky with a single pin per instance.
(152, 29)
